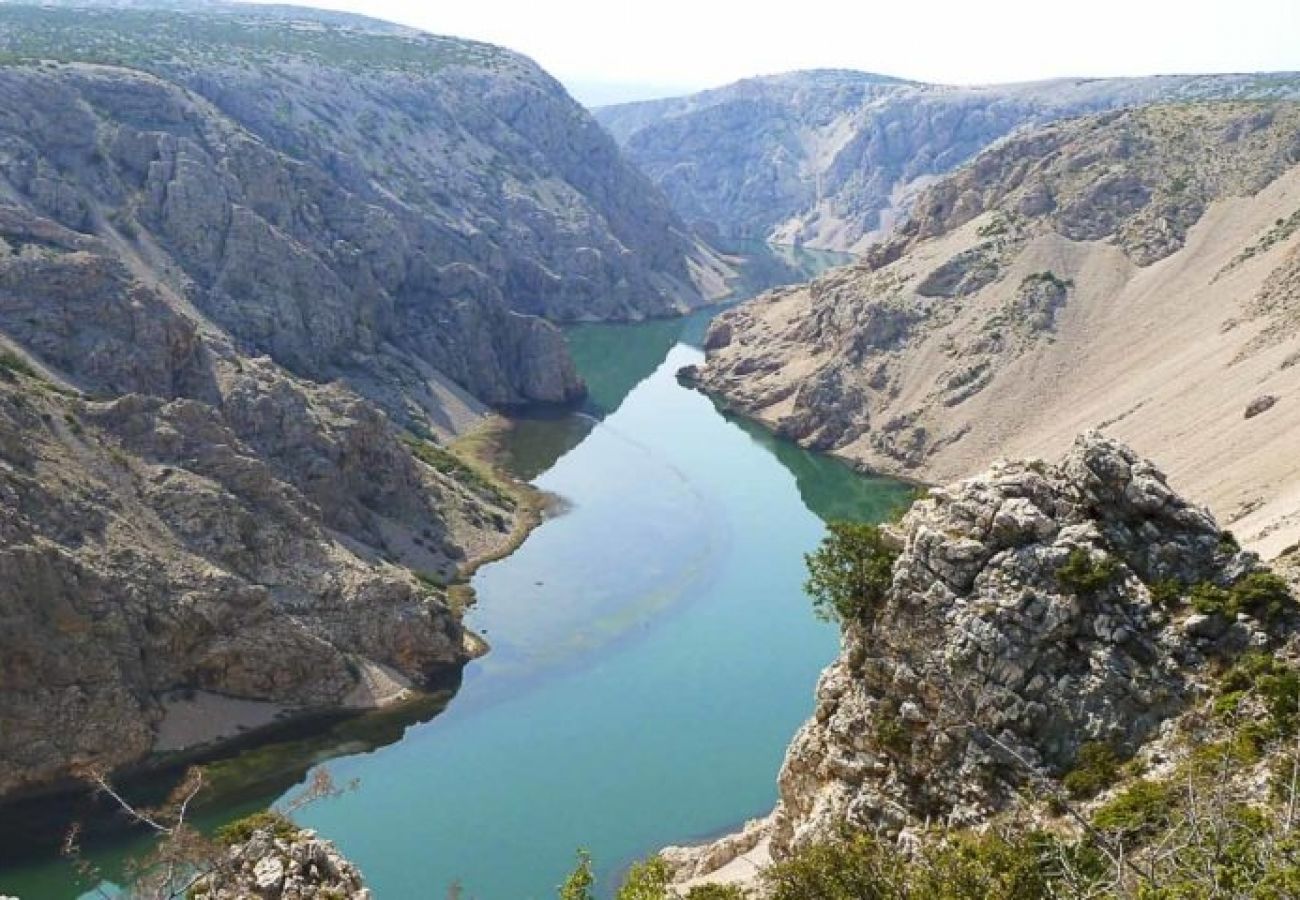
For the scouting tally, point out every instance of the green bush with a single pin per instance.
(650, 880)
(1261, 595)
(850, 573)
(1096, 768)
(1167, 592)
(646, 880)
(1082, 574)
(965, 867)
(12, 362)
(580, 881)
(714, 892)
(1142, 810)
(240, 830)
(1273, 683)
(1208, 599)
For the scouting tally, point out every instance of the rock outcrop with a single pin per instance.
(833, 159)
(993, 659)
(1030, 614)
(1126, 270)
(297, 866)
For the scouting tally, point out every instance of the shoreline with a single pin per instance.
(213, 730)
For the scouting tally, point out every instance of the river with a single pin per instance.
(652, 651)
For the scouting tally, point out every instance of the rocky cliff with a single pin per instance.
(1129, 270)
(256, 269)
(1035, 610)
(833, 159)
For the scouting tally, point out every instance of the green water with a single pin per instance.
(652, 652)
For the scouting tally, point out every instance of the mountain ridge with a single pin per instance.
(815, 166)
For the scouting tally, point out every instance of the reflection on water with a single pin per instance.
(651, 649)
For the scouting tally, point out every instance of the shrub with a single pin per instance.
(1262, 594)
(966, 867)
(1096, 768)
(1142, 810)
(646, 880)
(240, 830)
(1274, 684)
(715, 892)
(1208, 599)
(1167, 592)
(850, 573)
(891, 734)
(12, 362)
(580, 881)
(1082, 574)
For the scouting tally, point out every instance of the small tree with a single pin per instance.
(850, 573)
(580, 881)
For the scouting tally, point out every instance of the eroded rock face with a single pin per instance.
(833, 159)
(996, 323)
(986, 663)
(296, 867)
(245, 295)
(259, 548)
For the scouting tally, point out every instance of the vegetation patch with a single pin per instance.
(241, 830)
(1082, 573)
(850, 573)
(449, 464)
(1263, 595)
(1096, 768)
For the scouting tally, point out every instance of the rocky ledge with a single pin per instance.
(296, 866)
(1033, 610)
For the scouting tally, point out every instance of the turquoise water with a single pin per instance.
(652, 655)
(652, 651)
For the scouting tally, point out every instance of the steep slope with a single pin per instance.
(1133, 270)
(256, 269)
(832, 159)
(1033, 611)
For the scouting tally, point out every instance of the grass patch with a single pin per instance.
(449, 464)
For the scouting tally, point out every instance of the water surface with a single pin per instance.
(652, 650)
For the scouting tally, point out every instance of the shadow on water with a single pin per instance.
(242, 777)
(830, 488)
(254, 772)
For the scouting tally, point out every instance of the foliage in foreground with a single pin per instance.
(849, 574)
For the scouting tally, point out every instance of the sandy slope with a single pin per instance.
(1166, 356)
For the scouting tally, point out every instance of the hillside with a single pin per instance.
(833, 159)
(1132, 271)
(1067, 665)
(258, 268)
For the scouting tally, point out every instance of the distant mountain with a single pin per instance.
(832, 159)
(1137, 271)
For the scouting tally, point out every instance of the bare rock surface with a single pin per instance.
(834, 158)
(1131, 271)
(990, 663)
(299, 866)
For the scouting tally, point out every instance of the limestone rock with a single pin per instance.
(986, 665)
(834, 159)
(299, 866)
(1155, 290)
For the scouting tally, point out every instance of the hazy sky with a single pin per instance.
(665, 46)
